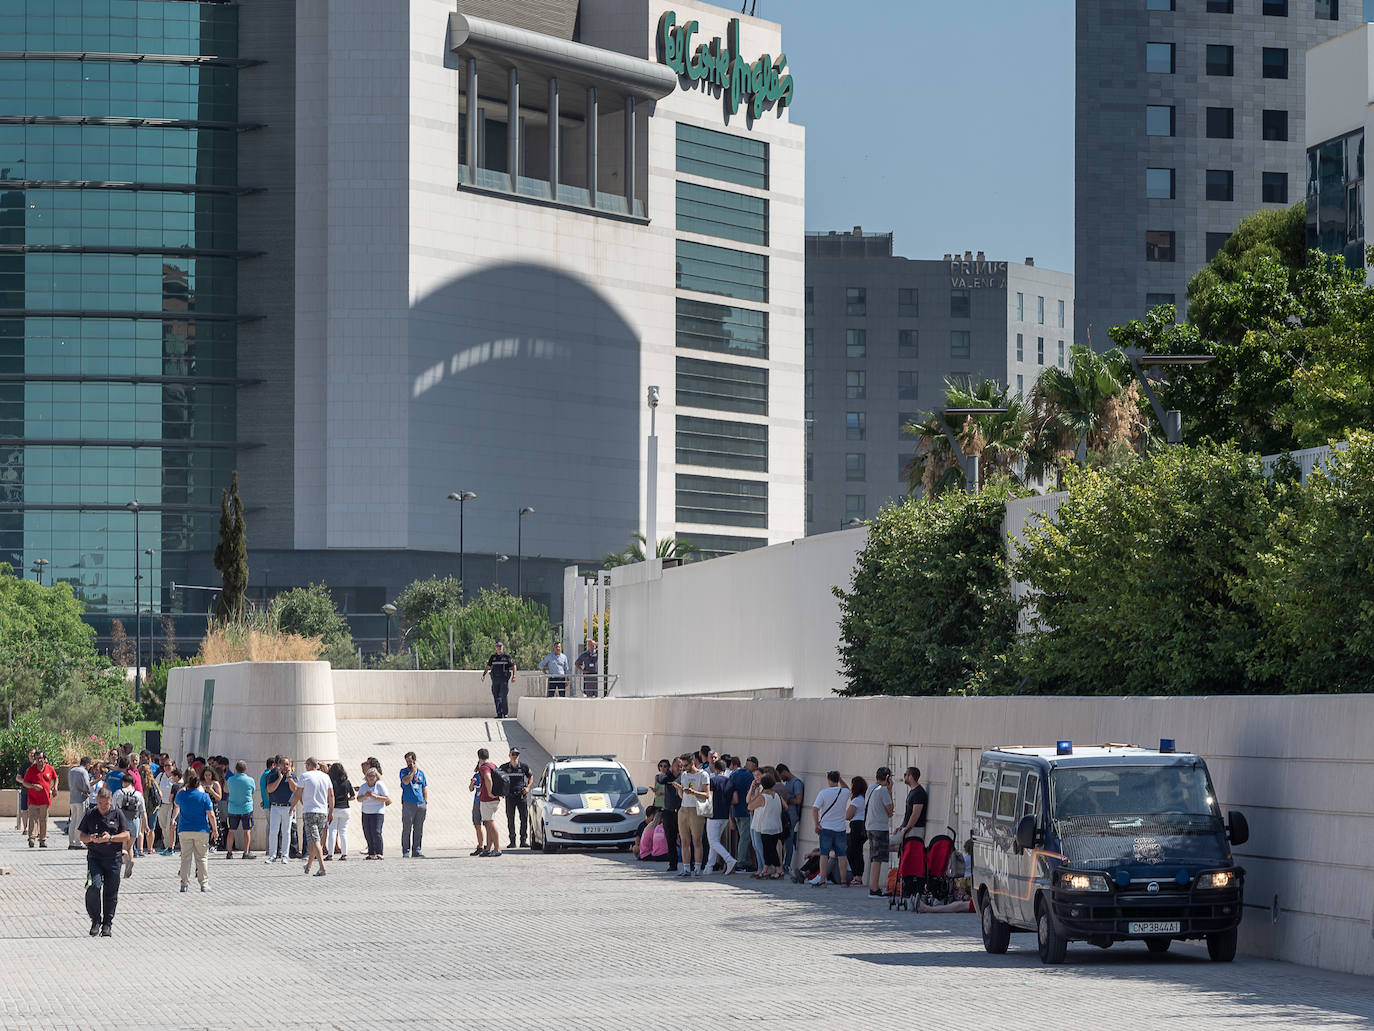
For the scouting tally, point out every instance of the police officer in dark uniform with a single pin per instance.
(501, 667)
(104, 830)
(518, 778)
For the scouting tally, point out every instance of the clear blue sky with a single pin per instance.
(950, 124)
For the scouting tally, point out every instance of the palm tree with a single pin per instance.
(1089, 406)
(668, 547)
(1001, 440)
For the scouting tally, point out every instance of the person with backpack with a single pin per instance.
(129, 801)
(492, 789)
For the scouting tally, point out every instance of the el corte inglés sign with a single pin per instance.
(720, 63)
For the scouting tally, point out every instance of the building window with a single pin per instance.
(908, 301)
(810, 389)
(1328, 10)
(1275, 8)
(723, 213)
(1215, 242)
(1159, 5)
(714, 545)
(721, 386)
(1020, 307)
(1159, 245)
(715, 500)
(721, 155)
(719, 444)
(855, 384)
(1221, 6)
(1153, 301)
(1061, 314)
(855, 467)
(1221, 123)
(855, 343)
(1020, 386)
(810, 300)
(1275, 188)
(960, 344)
(810, 467)
(1061, 354)
(810, 424)
(1040, 310)
(720, 270)
(855, 426)
(1275, 63)
(1221, 59)
(1221, 184)
(703, 326)
(854, 506)
(905, 419)
(908, 343)
(855, 300)
(1020, 347)
(1159, 183)
(1159, 120)
(906, 385)
(809, 346)
(960, 304)
(1039, 350)
(1159, 58)
(1275, 125)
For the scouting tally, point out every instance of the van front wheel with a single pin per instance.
(996, 935)
(1222, 946)
(1051, 942)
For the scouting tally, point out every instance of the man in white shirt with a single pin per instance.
(829, 808)
(315, 793)
(556, 665)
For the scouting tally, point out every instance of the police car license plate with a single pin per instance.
(1154, 927)
(602, 828)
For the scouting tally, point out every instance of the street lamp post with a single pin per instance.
(149, 553)
(462, 497)
(499, 560)
(651, 502)
(38, 568)
(390, 611)
(1171, 421)
(520, 550)
(134, 507)
(969, 463)
(851, 524)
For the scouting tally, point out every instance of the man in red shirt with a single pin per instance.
(41, 781)
(488, 802)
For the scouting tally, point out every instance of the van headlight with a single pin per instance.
(1219, 879)
(1073, 881)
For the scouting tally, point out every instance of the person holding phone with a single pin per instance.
(104, 830)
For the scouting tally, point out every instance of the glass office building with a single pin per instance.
(118, 300)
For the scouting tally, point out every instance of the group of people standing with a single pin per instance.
(703, 798)
(559, 669)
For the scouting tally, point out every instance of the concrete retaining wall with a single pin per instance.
(1298, 767)
(421, 694)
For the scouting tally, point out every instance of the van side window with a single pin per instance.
(987, 787)
(1030, 802)
(1008, 795)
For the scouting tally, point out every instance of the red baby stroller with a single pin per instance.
(911, 875)
(939, 884)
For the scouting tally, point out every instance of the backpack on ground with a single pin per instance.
(500, 785)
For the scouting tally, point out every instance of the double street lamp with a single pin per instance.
(1170, 421)
(520, 550)
(462, 497)
(39, 565)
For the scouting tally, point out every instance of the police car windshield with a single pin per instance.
(1082, 792)
(602, 781)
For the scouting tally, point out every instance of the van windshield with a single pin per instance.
(1124, 797)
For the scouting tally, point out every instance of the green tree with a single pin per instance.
(1136, 579)
(492, 616)
(929, 609)
(1088, 407)
(668, 547)
(231, 554)
(1001, 440)
(310, 612)
(1333, 390)
(1312, 582)
(423, 598)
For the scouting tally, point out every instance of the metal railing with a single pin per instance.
(581, 685)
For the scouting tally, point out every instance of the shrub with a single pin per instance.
(15, 742)
(253, 637)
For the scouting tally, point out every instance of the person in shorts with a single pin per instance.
(489, 803)
(877, 820)
(315, 793)
(240, 789)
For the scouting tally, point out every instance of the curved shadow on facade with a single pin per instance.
(524, 387)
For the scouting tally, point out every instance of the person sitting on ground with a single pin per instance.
(653, 839)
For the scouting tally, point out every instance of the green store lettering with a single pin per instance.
(720, 64)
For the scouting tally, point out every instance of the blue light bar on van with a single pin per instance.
(1166, 744)
(1063, 748)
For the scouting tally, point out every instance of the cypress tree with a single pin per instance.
(231, 554)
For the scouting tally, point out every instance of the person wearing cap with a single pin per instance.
(502, 668)
(518, 778)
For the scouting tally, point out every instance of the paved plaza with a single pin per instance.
(570, 941)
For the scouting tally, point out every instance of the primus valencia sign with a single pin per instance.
(719, 63)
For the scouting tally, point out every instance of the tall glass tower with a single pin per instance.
(118, 298)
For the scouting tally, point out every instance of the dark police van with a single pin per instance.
(1104, 844)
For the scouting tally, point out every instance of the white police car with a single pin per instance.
(585, 801)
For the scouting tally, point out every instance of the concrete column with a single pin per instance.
(513, 131)
(473, 118)
(591, 143)
(553, 137)
(630, 155)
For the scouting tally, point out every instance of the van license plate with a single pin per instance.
(1154, 927)
(604, 829)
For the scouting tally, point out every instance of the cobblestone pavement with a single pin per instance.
(574, 941)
